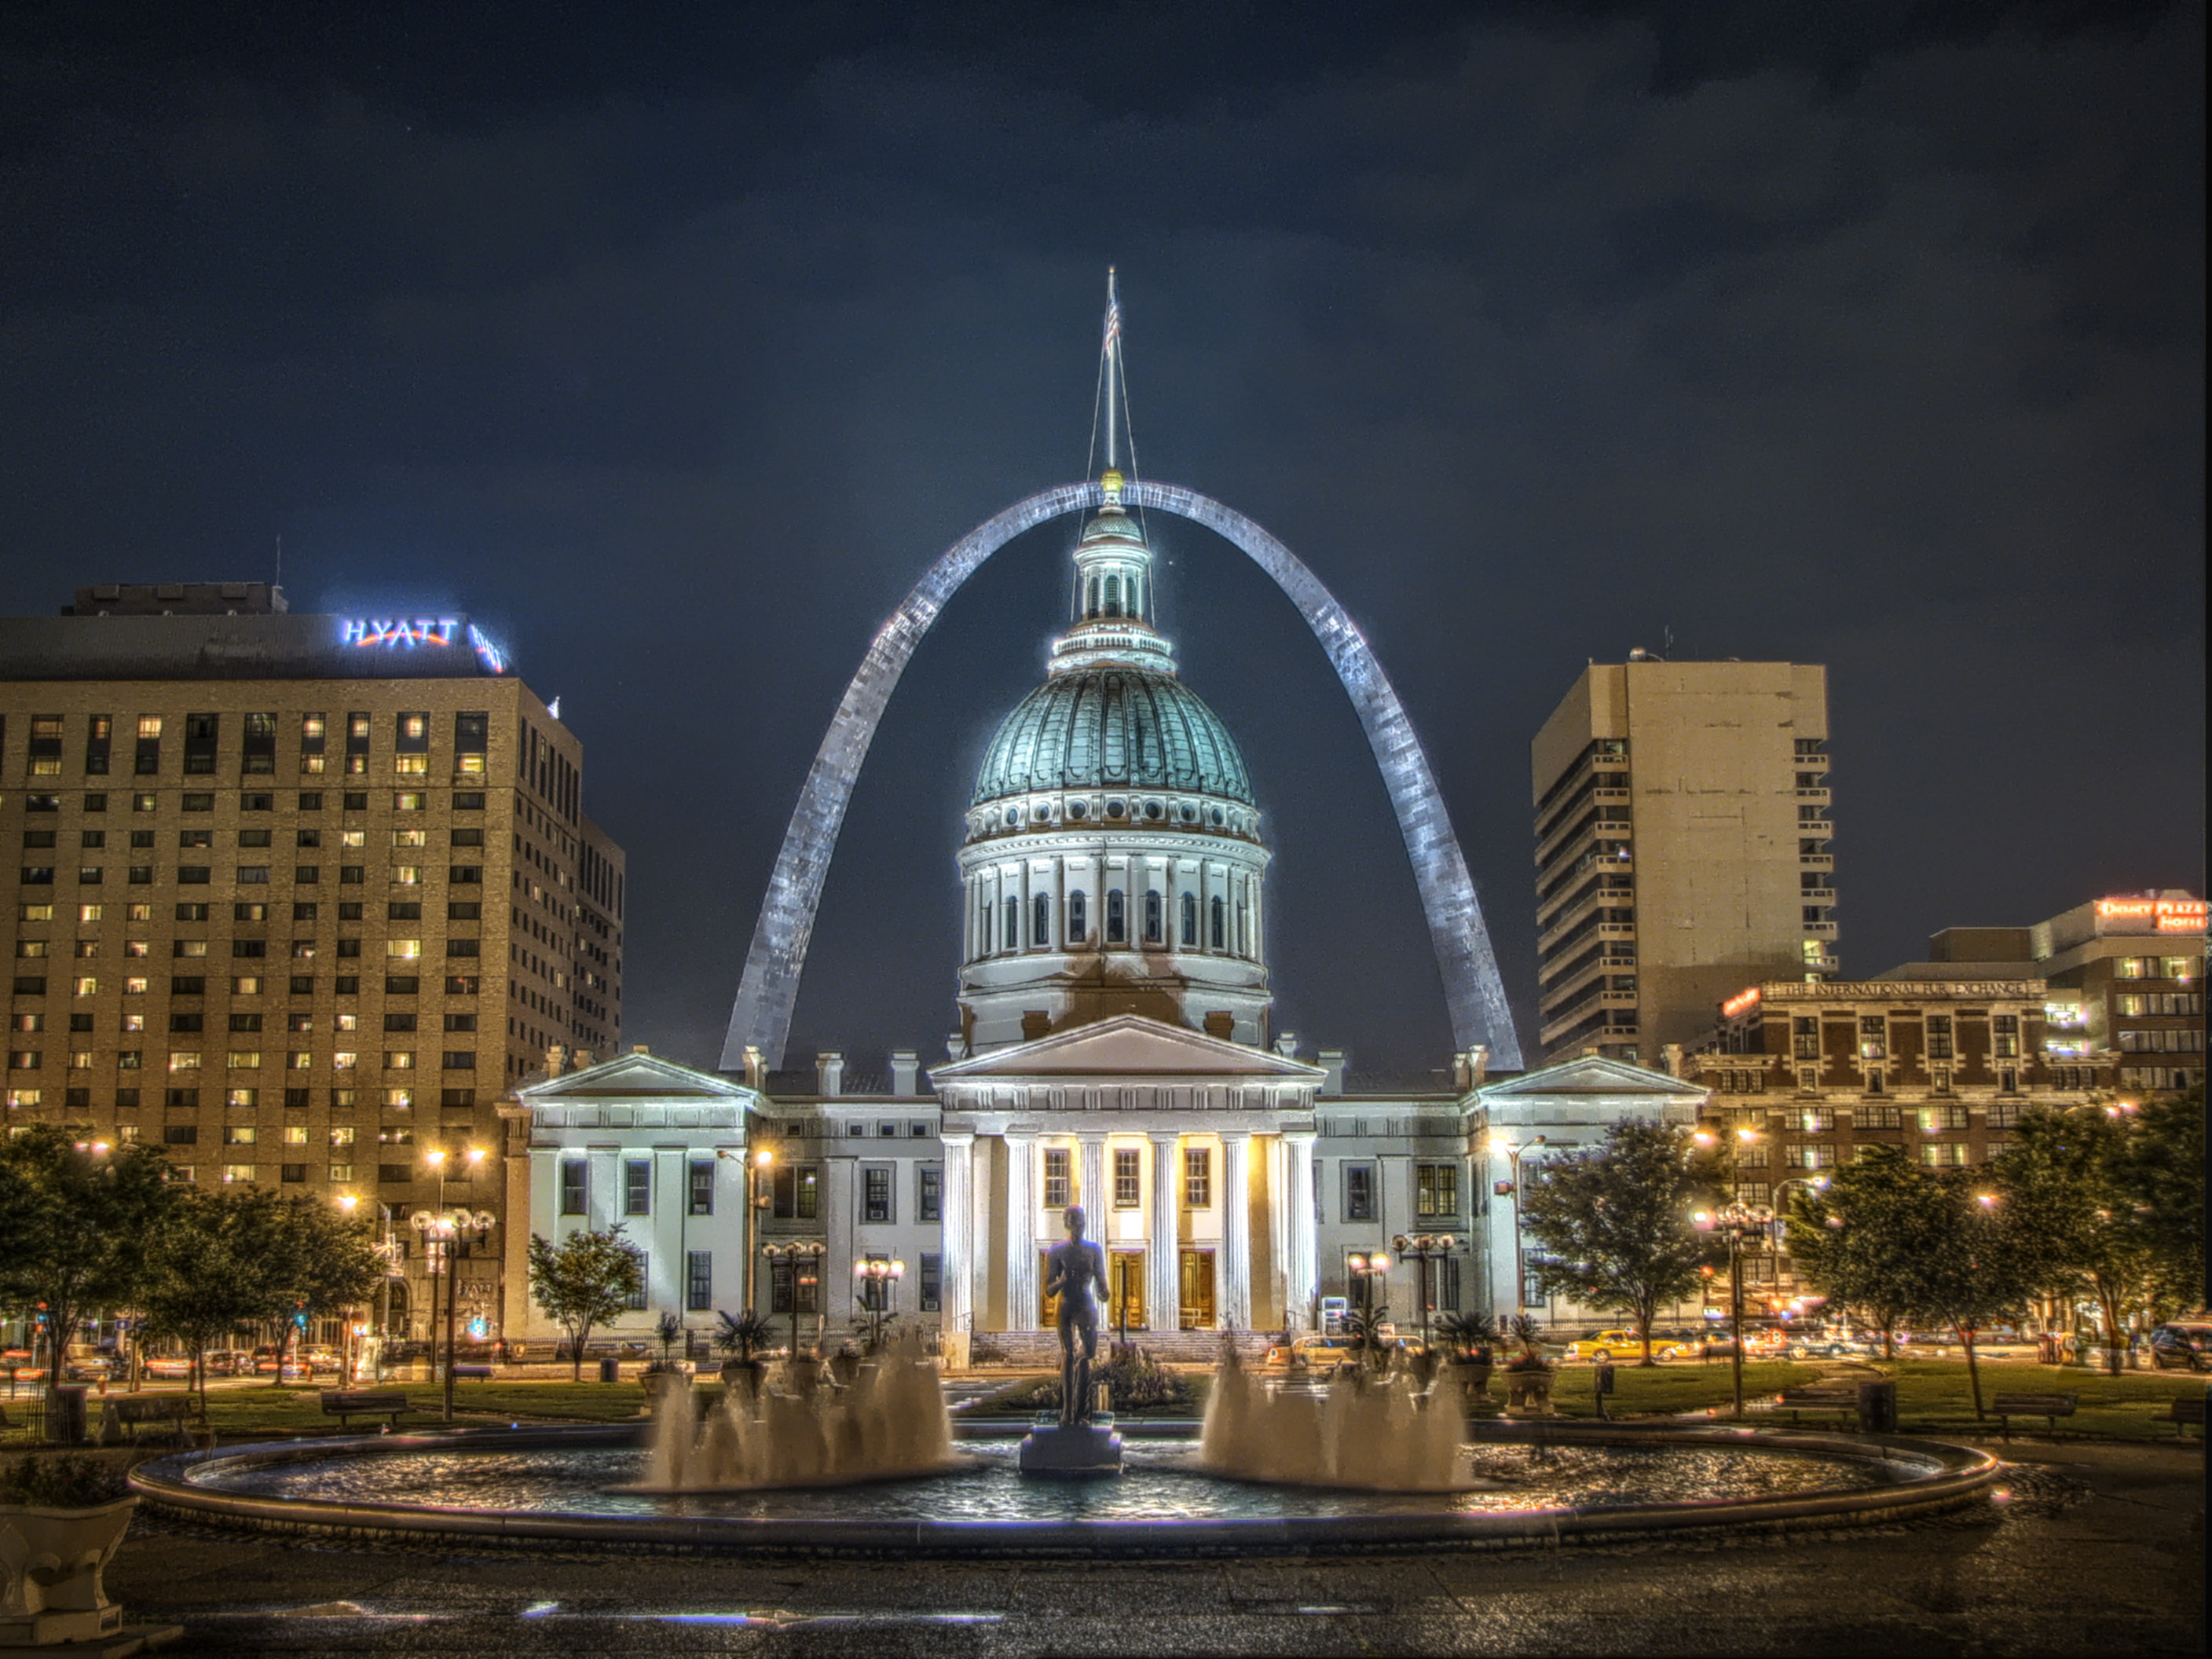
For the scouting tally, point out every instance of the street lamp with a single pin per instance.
(1511, 1188)
(441, 1231)
(1423, 1247)
(877, 1277)
(1736, 1221)
(802, 1254)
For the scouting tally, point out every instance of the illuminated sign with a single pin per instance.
(1742, 1001)
(393, 633)
(2162, 916)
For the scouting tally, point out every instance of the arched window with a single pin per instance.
(1041, 920)
(983, 929)
(1113, 596)
(1187, 936)
(1079, 917)
(1153, 921)
(1013, 923)
(1220, 923)
(1117, 921)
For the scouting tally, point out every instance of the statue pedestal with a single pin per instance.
(1077, 1454)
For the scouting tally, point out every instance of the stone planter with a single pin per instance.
(51, 1563)
(1530, 1391)
(1472, 1378)
(742, 1378)
(657, 1383)
(802, 1375)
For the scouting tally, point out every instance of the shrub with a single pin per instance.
(62, 1482)
(1135, 1382)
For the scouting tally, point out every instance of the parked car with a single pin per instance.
(88, 1368)
(1827, 1344)
(1318, 1355)
(229, 1361)
(2182, 1345)
(1619, 1344)
(322, 1359)
(169, 1366)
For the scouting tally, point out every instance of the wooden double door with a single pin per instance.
(1125, 1292)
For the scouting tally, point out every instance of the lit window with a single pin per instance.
(1127, 1177)
(1117, 924)
(1056, 1178)
(1198, 1177)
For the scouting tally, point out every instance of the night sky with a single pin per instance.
(673, 348)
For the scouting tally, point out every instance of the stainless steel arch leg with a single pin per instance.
(1473, 991)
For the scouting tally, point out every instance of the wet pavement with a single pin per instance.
(2092, 1549)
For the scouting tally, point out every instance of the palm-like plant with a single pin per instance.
(665, 1330)
(1528, 1333)
(1467, 1334)
(741, 1333)
(1366, 1326)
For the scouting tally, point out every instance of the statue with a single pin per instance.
(1076, 1273)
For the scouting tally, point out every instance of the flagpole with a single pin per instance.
(1113, 332)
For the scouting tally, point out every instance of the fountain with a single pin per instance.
(805, 1429)
(1379, 1433)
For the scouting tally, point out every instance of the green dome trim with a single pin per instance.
(1112, 728)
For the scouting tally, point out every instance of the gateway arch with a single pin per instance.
(769, 988)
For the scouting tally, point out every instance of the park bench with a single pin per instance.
(1845, 1402)
(482, 1373)
(2184, 1413)
(121, 1416)
(346, 1404)
(2048, 1406)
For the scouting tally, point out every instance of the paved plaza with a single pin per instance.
(2096, 1549)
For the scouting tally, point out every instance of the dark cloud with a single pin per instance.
(680, 344)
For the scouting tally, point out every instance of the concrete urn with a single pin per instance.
(50, 1567)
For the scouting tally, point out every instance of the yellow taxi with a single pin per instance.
(1626, 1345)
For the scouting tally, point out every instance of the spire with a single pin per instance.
(1114, 396)
(1111, 367)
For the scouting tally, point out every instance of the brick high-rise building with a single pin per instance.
(295, 897)
(1682, 848)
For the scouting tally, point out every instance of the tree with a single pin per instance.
(326, 1261)
(2065, 1185)
(1613, 1224)
(1973, 1269)
(584, 1279)
(2161, 1167)
(1858, 1239)
(74, 1225)
(214, 1268)
(740, 1333)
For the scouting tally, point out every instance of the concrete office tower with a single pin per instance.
(295, 897)
(1682, 848)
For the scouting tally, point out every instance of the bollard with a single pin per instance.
(1878, 1407)
(611, 1371)
(1603, 1386)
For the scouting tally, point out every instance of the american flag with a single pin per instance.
(1113, 325)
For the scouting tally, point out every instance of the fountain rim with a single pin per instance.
(1959, 1476)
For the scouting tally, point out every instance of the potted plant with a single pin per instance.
(1469, 1341)
(737, 1336)
(1528, 1374)
(665, 1373)
(69, 1515)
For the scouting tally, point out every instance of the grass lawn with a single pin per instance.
(1933, 1395)
(1662, 1390)
(298, 1411)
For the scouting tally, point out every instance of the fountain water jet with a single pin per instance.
(889, 1422)
(1380, 1433)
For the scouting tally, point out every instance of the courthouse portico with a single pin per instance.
(1187, 1151)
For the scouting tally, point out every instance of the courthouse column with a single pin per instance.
(1164, 1245)
(957, 1204)
(1234, 1295)
(1021, 1232)
(1091, 1191)
(1304, 1265)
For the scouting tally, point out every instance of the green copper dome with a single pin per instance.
(1112, 727)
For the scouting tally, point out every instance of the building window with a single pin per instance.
(575, 1186)
(930, 1290)
(1218, 934)
(637, 1187)
(1128, 1179)
(1117, 921)
(1815, 1119)
(698, 1281)
(875, 1193)
(1187, 934)
(1056, 1181)
(1436, 1189)
(1938, 1120)
(798, 1194)
(1877, 1117)
(2005, 1115)
(1198, 1177)
(1939, 1038)
(1153, 921)
(1943, 1154)
(636, 1303)
(1360, 1192)
(702, 1187)
(1041, 920)
(1873, 1037)
(1078, 918)
(1013, 933)
(929, 1193)
(2005, 1031)
(1820, 1156)
(983, 929)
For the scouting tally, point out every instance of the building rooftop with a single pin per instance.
(234, 631)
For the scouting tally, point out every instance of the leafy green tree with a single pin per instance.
(1614, 1223)
(586, 1278)
(74, 1225)
(326, 1262)
(2064, 1181)
(1859, 1239)
(214, 1268)
(1976, 1265)
(2161, 1167)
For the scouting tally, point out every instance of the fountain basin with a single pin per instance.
(537, 1487)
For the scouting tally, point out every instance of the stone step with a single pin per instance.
(1040, 1350)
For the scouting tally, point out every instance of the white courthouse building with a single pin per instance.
(1114, 1052)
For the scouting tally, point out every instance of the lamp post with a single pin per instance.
(1423, 1247)
(802, 1254)
(389, 1251)
(1818, 1184)
(1511, 1188)
(441, 1231)
(1365, 1267)
(1736, 1221)
(876, 1278)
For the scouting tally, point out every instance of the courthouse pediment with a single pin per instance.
(1127, 1045)
(633, 1076)
(1594, 1074)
